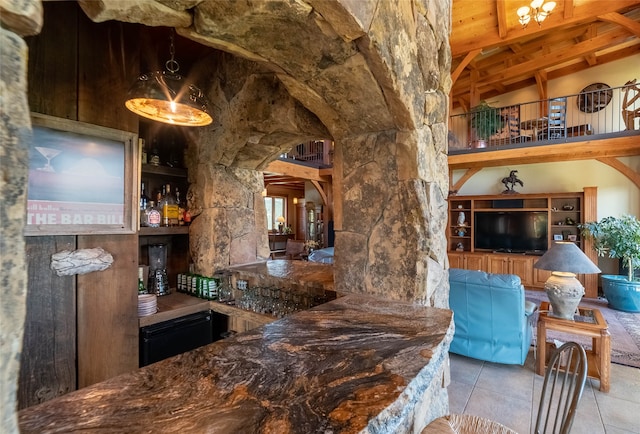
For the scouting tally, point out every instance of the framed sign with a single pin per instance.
(82, 179)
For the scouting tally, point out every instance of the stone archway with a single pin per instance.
(376, 74)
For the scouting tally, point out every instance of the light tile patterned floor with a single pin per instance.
(510, 394)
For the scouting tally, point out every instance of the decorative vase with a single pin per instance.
(621, 293)
(564, 292)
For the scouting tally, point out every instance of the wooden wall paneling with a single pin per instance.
(590, 214)
(53, 62)
(108, 56)
(48, 358)
(108, 311)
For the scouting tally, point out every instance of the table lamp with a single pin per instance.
(280, 221)
(564, 259)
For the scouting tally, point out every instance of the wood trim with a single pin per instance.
(589, 214)
(622, 168)
(588, 150)
(467, 175)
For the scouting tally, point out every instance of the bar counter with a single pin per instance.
(356, 364)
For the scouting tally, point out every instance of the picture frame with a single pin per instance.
(557, 237)
(83, 179)
(572, 237)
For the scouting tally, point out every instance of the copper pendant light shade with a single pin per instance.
(164, 96)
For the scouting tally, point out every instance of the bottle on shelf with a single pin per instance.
(153, 216)
(154, 159)
(169, 208)
(180, 208)
(142, 289)
(143, 151)
(144, 203)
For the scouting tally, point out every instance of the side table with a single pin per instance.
(591, 323)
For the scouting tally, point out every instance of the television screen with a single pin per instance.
(511, 231)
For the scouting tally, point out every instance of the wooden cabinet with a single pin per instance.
(520, 265)
(563, 213)
(468, 261)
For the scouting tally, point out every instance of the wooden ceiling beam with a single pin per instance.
(622, 21)
(467, 59)
(501, 13)
(295, 171)
(559, 56)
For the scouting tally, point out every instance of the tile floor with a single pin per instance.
(510, 394)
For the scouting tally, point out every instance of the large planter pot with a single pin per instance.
(621, 294)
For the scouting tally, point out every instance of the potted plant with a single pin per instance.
(618, 238)
(485, 121)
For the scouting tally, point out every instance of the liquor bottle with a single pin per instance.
(154, 159)
(141, 288)
(180, 208)
(153, 216)
(143, 151)
(144, 202)
(169, 208)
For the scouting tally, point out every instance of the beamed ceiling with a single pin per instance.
(492, 54)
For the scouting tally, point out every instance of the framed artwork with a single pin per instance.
(83, 179)
(573, 237)
(557, 237)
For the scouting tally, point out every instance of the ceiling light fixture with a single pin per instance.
(164, 96)
(539, 10)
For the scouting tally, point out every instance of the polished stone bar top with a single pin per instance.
(351, 365)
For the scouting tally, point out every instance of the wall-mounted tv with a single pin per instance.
(511, 231)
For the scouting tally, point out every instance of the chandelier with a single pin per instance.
(164, 96)
(539, 10)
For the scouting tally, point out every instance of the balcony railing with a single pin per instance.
(316, 153)
(602, 113)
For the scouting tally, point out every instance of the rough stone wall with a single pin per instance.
(255, 119)
(17, 18)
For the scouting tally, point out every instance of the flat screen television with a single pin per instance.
(511, 231)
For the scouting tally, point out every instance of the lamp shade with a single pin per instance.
(164, 96)
(566, 256)
(280, 219)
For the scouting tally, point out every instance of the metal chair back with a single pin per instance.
(562, 389)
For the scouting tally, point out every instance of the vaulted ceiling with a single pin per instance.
(492, 53)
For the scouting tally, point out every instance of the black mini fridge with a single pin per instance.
(170, 338)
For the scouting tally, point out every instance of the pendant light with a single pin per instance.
(164, 96)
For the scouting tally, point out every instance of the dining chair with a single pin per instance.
(556, 120)
(562, 388)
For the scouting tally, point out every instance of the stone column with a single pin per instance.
(18, 19)
(392, 242)
(229, 218)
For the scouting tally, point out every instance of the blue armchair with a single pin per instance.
(492, 318)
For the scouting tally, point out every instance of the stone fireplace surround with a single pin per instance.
(374, 76)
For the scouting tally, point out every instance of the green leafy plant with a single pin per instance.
(486, 120)
(616, 237)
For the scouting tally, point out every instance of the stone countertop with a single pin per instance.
(299, 273)
(355, 364)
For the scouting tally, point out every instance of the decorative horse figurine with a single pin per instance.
(510, 181)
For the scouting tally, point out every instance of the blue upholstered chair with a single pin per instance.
(493, 321)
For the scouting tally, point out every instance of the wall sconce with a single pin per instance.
(264, 192)
(164, 96)
(539, 11)
(295, 200)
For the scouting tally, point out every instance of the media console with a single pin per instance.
(508, 233)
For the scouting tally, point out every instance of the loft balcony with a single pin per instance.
(601, 123)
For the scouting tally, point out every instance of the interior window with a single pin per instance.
(275, 207)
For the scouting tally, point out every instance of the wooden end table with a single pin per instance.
(589, 323)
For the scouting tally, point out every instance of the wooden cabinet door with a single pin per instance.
(540, 277)
(498, 264)
(456, 260)
(523, 267)
(475, 262)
